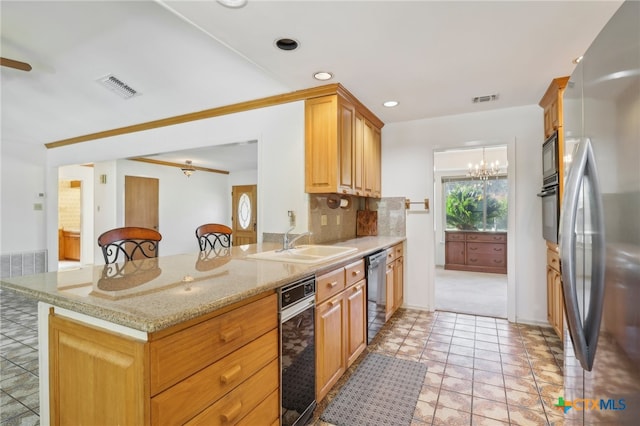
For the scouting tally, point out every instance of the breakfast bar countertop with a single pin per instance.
(153, 294)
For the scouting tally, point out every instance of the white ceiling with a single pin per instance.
(186, 56)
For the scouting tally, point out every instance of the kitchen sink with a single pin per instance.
(305, 254)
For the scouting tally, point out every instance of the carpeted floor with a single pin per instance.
(382, 391)
(473, 293)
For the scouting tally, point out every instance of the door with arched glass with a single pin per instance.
(244, 216)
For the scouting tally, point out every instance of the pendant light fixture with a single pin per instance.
(188, 169)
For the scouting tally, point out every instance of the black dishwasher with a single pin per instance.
(297, 351)
(376, 292)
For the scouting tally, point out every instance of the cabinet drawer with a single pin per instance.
(489, 260)
(181, 354)
(267, 412)
(183, 401)
(487, 238)
(354, 272)
(454, 236)
(242, 400)
(329, 284)
(553, 259)
(391, 255)
(485, 248)
(398, 250)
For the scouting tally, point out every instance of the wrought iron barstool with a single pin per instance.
(131, 242)
(210, 234)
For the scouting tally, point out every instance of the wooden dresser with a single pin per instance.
(476, 251)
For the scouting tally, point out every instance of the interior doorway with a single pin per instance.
(470, 210)
(69, 223)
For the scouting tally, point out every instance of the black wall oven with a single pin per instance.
(550, 193)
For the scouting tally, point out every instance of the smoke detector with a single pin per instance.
(117, 86)
(485, 98)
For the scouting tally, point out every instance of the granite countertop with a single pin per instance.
(153, 294)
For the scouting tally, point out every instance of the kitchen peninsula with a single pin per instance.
(178, 339)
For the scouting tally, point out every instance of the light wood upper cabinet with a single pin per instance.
(343, 147)
(551, 103)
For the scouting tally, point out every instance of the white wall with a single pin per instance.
(279, 131)
(22, 178)
(407, 170)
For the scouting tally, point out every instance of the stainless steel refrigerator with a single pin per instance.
(600, 228)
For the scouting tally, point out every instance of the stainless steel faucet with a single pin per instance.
(289, 244)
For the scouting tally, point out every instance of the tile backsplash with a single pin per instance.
(341, 221)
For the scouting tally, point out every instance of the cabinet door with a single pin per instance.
(358, 154)
(389, 306)
(321, 144)
(398, 282)
(369, 158)
(550, 297)
(90, 366)
(357, 318)
(558, 304)
(346, 133)
(376, 164)
(330, 344)
(455, 252)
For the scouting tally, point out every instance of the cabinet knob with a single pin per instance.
(354, 273)
(232, 412)
(332, 284)
(230, 374)
(229, 335)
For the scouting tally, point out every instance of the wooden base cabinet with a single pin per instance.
(555, 296)
(341, 323)
(394, 280)
(96, 377)
(219, 369)
(476, 251)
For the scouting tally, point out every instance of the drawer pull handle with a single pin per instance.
(473, 259)
(229, 335)
(231, 374)
(354, 273)
(232, 412)
(497, 249)
(473, 248)
(497, 238)
(332, 284)
(497, 261)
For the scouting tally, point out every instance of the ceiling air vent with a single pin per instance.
(118, 86)
(486, 98)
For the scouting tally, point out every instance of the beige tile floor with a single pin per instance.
(481, 370)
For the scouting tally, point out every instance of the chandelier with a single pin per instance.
(483, 171)
(188, 169)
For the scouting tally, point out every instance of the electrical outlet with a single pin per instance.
(323, 220)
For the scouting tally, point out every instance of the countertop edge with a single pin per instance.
(154, 325)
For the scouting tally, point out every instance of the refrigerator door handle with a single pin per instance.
(584, 338)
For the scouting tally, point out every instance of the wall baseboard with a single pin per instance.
(25, 263)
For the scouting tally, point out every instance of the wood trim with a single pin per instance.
(298, 95)
(178, 165)
(557, 85)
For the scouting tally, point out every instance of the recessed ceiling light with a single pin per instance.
(234, 4)
(287, 44)
(323, 75)
(390, 104)
(577, 60)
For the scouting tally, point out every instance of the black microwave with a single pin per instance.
(550, 160)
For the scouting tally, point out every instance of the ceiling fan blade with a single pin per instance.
(23, 66)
